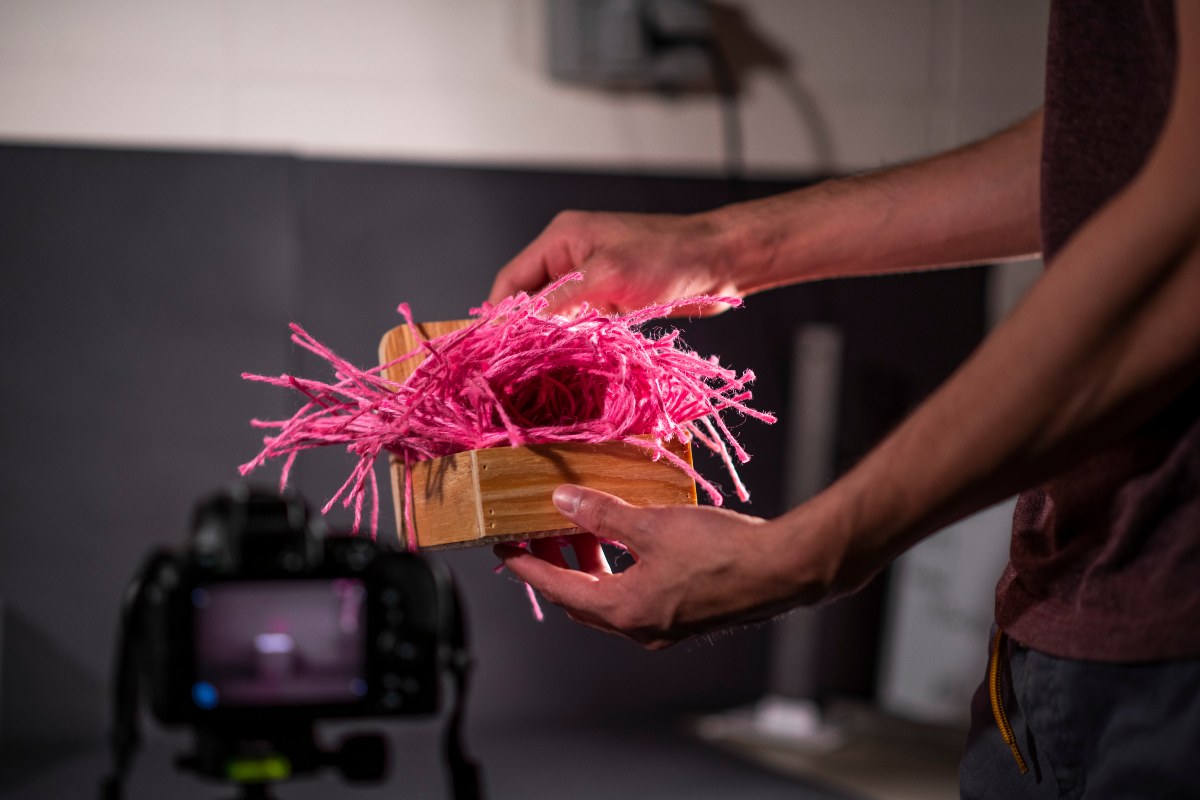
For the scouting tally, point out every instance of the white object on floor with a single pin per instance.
(777, 720)
(851, 747)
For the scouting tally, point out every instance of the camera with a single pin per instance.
(264, 624)
(264, 620)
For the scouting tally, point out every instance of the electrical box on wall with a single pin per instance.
(665, 45)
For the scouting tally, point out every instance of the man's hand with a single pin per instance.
(628, 261)
(974, 205)
(697, 569)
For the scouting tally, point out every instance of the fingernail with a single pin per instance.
(566, 499)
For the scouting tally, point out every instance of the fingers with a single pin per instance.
(526, 272)
(597, 601)
(556, 251)
(568, 297)
(692, 312)
(563, 587)
(590, 554)
(600, 513)
(548, 550)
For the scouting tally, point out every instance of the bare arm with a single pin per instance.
(1110, 335)
(975, 204)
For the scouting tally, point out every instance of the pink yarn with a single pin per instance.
(515, 376)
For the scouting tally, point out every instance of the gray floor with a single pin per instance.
(656, 761)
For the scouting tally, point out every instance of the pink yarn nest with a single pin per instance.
(516, 376)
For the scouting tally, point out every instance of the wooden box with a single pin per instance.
(499, 494)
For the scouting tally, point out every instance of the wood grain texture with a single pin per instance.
(401, 340)
(481, 497)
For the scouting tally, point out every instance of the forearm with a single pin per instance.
(1108, 337)
(973, 205)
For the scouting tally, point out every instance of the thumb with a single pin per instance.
(600, 513)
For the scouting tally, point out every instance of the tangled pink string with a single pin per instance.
(515, 376)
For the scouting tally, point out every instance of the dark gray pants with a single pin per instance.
(1087, 730)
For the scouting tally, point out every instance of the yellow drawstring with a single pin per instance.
(1002, 723)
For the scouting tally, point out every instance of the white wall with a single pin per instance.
(463, 81)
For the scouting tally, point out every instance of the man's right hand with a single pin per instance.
(628, 261)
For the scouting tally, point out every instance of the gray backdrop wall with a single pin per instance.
(137, 286)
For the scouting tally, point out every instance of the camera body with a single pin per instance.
(263, 622)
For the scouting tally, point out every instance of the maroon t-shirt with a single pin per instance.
(1105, 560)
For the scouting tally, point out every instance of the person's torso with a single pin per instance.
(1105, 559)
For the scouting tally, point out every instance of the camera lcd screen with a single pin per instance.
(279, 643)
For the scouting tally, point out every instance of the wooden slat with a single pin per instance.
(394, 344)
(400, 340)
(446, 508)
(481, 497)
(499, 494)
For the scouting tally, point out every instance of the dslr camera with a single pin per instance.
(263, 625)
